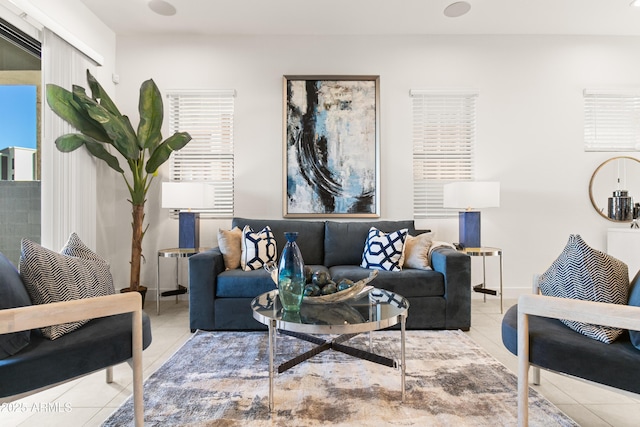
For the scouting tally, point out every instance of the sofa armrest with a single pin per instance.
(456, 268)
(204, 268)
(40, 315)
(598, 313)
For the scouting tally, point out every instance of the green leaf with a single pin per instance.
(118, 128)
(98, 93)
(73, 141)
(70, 142)
(151, 115)
(162, 153)
(62, 103)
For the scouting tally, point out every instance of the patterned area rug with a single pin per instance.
(221, 379)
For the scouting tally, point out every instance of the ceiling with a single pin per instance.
(370, 17)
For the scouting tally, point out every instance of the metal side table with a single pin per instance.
(484, 252)
(176, 253)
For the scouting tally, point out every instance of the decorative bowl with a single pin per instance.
(352, 292)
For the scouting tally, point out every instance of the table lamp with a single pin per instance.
(186, 195)
(471, 195)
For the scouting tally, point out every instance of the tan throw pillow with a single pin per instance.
(230, 244)
(416, 251)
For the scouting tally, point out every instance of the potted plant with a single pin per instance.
(100, 123)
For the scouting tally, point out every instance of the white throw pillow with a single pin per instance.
(384, 251)
(258, 248)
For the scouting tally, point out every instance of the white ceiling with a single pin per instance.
(370, 17)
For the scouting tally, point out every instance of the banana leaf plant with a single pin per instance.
(100, 125)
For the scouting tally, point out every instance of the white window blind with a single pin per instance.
(612, 120)
(208, 117)
(444, 127)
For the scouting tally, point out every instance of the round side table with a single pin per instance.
(484, 252)
(176, 253)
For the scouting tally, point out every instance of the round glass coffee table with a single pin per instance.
(372, 310)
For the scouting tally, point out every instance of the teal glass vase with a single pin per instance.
(291, 278)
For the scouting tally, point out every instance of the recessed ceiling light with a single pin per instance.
(456, 9)
(162, 7)
(635, 3)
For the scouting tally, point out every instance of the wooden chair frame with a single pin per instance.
(614, 315)
(38, 316)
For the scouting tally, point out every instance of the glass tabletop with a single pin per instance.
(370, 311)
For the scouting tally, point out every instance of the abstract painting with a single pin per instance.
(331, 146)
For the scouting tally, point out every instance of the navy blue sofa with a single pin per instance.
(220, 299)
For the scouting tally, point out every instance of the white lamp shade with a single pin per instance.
(187, 195)
(472, 195)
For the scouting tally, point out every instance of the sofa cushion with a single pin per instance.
(344, 241)
(583, 273)
(12, 294)
(230, 244)
(258, 248)
(416, 251)
(310, 235)
(52, 277)
(243, 284)
(408, 283)
(76, 248)
(384, 251)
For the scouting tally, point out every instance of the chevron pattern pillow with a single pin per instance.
(583, 273)
(52, 277)
(258, 248)
(76, 248)
(384, 251)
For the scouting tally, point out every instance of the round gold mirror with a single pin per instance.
(614, 189)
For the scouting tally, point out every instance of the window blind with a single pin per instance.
(444, 128)
(612, 120)
(208, 117)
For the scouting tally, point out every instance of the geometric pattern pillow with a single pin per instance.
(384, 251)
(258, 248)
(230, 244)
(52, 277)
(584, 273)
(76, 248)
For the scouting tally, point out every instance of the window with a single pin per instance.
(208, 117)
(612, 120)
(443, 147)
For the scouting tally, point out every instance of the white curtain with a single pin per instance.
(68, 179)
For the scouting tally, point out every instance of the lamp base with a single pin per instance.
(469, 229)
(189, 230)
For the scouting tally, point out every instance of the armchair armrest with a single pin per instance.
(598, 313)
(37, 316)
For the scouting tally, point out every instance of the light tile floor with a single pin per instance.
(89, 400)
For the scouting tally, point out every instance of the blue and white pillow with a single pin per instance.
(258, 248)
(384, 251)
(583, 273)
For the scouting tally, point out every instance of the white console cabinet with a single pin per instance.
(624, 244)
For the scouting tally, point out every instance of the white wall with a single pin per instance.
(529, 130)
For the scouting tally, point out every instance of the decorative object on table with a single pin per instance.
(340, 296)
(583, 273)
(331, 146)
(100, 123)
(291, 277)
(188, 195)
(620, 206)
(471, 195)
(612, 187)
(464, 385)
